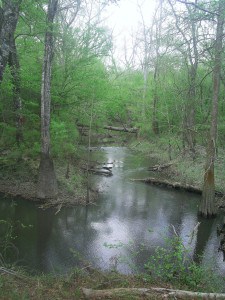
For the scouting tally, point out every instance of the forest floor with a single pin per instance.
(182, 167)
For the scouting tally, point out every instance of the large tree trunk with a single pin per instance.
(207, 206)
(47, 183)
(9, 14)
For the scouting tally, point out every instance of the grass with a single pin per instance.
(66, 287)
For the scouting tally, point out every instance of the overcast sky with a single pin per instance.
(124, 19)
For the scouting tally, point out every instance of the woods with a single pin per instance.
(170, 85)
(74, 78)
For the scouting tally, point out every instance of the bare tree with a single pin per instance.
(47, 183)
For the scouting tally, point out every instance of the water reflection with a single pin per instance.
(127, 213)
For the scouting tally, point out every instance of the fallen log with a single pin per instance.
(166, 183)
(124, 129)
(103, 171)
(84, 128)
(147, 293)
(117, 293)
(175, 185)
(181, 294)
(160, 167)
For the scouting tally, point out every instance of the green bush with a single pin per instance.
(174, 264)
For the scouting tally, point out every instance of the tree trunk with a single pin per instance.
(9, 14)
(207, 206)
(47, 183)
(189, 114)
(17, 104)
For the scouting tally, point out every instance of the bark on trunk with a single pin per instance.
(9, 14)
(207, 206)
(47, 184)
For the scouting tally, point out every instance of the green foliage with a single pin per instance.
(174, 264)
(64, 136)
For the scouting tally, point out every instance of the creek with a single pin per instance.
(127, 217)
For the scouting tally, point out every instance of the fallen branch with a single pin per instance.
(11, 272)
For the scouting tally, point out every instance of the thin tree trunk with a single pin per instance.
(17, 104)
(47, 183)
(207, 206)
(191, 57)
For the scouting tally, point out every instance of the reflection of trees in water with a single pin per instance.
(45, 219)
(203, 235)
(126, 210)
(21, 215)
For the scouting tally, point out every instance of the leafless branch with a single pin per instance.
(198, 7)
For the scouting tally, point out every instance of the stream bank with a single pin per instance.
(181, 168)
(20, 181)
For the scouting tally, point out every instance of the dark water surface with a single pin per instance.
(128, 216)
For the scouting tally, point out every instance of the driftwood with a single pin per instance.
(160, 167)
(147, 293)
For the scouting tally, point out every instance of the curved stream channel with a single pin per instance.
(129, 216)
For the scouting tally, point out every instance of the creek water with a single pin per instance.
(129, 220)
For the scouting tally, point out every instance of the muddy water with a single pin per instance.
(121, 231)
